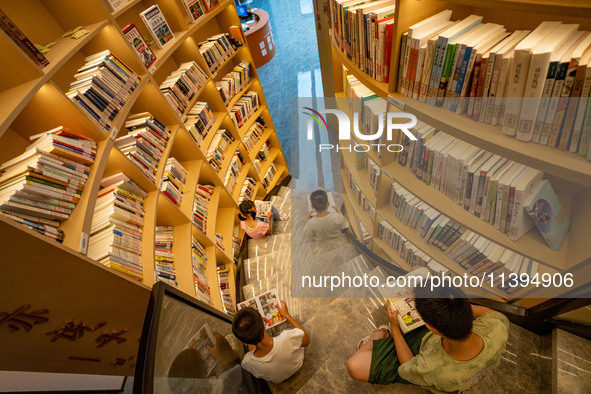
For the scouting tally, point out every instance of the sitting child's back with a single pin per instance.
(325, 225)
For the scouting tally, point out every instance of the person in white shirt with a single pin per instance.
(325, 225)
(272, 359)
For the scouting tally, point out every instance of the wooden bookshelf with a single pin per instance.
(60, 277)
(569, 173)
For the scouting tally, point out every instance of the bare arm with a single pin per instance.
(478, 310)
(402, 350)
(285, 313)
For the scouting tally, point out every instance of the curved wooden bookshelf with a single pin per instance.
(34, 100)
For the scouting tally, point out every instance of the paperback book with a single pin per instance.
(267, 305)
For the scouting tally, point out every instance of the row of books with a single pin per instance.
(144, 143)
(489, 186)
(19, 38)
(163, 255)
(234, 81)
(199, 262)
(363, 30)
(256, 164)
(101, 88)
(236, 246)
(535, 85)
(244, 108)
(233, 172)
(366, 237)
(474, 253)
(219, 241)
(197, 8)
(224, 283)
(373, 174)
(263, 153)
(217, 49)
(117, 225)
(269, 175)
(247, 191)
(180, 86)
(41, 187)
(217, 149)
(360, 197)
(201, 206)
(199, 121)
(254, 133)
(173, 181)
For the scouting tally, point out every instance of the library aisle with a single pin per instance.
(336, 324)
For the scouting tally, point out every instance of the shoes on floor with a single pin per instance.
(366, 339)
(285, 218)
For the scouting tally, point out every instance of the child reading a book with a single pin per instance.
(272, 359)
(325, 225)
(251, 225)
(458, 345)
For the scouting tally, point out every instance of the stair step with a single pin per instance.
(571, 363)
(270, 244)
(258, 268)
(284, 191)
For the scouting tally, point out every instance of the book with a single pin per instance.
(262, 208)
(267, 305)
(194, 8)
(202, 342)
(138, 43)
(408, 316)
(548, 214)
(157, 25)
(19, 38)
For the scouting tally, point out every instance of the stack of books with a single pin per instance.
(180, 87)
(236, 248)
(199, 121)
(144, 143)
(533, 84)
(217, 149)
(216, 50)
(253, 134)
(247, 191)
(201, 205)
(360, 197)
(219, 241)
(199, 262)
(173, 181)
(364, 30)
(116, 231)
(227, 303)
(489, 186)
(366, 237)
(102, 87)
(256, 164)
(268, 178)
(233, 171)
(233, 82)
(41, 187)
(164, 264)
(244, 108)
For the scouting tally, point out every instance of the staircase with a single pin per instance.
(560, 363)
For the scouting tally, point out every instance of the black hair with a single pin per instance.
(247, 208)
(248, 326)
(319, 200)
(188, 364)
(446, 309)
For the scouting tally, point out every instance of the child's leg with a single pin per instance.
(359, 364)
(276, 215)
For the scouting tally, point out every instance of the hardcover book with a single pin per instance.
(139, 45)
(156, 23)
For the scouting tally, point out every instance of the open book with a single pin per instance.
(263, 208)
(331, 204)
(201, 342)
(409, 317)
(267, 304)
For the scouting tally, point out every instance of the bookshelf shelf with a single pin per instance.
(550, 160)
(244, 128)
(33, 100)
(361, 214)
(569, 173)
(281, 170)
(273, 152)
(238, 95)
(257, 147)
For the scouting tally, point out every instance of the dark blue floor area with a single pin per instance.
(295, 69)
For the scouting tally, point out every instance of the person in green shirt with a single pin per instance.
(459, 344)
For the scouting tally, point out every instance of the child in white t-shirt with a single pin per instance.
(272, 359)
(325, 225)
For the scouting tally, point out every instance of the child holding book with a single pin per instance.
(251, 225)
(325, 225)
(459, 344)
(272, 359)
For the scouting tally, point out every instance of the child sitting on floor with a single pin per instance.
(252, 226)
(459, 344)
(325, 225)
(272, 359)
